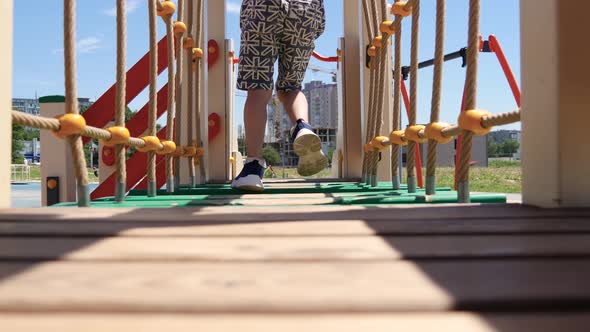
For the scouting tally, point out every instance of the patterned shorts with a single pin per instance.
(283, 29)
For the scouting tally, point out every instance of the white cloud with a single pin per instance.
(84, 45)
(132, 6)
(88, 45)
(233, 7)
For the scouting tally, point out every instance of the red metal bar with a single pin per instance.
(497, 49)
(418, 155)
(324, 58)
(136, 164)
(139, 122)
(315, 54)
(103, 110)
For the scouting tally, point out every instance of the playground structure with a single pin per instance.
(183, 106)
(316, 256)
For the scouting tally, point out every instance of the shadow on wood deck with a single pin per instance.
(472, 268)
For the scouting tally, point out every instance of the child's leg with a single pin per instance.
(255, 121)
(295, 105)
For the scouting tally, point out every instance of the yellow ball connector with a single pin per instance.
(70, 124)
(471, 120)
(119, 135)
(434, 132)
(168, 9)
(152, 144)
(179, 28)
(168, 148)
(413, 134)
(398, 9)
(398, 137)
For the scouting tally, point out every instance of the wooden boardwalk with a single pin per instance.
(314, 268)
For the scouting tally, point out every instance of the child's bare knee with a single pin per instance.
(260, 95)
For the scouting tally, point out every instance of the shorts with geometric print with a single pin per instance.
(278, 29)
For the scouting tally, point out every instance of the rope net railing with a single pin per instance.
(471, 121)
(72, 126)
(184, 60)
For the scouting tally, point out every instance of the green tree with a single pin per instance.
(509, 147)
(31, 133)
(330, 155)
(271, 155)
(18, 136)
(242, 145)
(492, 148)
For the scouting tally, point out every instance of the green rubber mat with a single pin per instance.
(293, 194)
(280, 188)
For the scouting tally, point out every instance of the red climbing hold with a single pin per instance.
(108, 155)
(214, 125)
(212, 53)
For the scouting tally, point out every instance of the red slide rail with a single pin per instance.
(136, 165)
(103, 110)
(418, 154)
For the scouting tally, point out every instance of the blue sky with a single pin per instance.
(38, 54)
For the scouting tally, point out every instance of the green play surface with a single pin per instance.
(277, 195)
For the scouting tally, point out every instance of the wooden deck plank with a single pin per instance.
(271, 287)
(224, 249)
(416, 322)
(245, 214)
(292, 227)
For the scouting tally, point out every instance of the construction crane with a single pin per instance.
(333, 72)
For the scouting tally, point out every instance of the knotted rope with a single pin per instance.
(470, 99)
(380, 89)
(151, 168)
(120, 102)
(370, 12)
(436, 94)
(397, 85)
(411, 156)
(170, 105)
(190, 100)
(178, 113)
(197, 91)
(75, 141)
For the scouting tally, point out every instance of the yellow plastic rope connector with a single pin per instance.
(434, 132)
(470, 120)
(70, 124)
(152, 144)
(168, 147)
(119, 135)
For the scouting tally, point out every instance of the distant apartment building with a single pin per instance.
(31, 106)
(323, 104)
(323, 116)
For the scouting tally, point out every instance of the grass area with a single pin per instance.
(501, 176)
(36, 174)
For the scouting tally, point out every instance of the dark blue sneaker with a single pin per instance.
(308, 146)
(250, 178)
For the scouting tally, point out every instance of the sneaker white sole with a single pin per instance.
(308, 147)
(248, 183)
